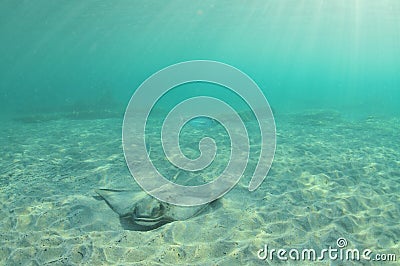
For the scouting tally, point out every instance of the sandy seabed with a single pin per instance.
(331, 178)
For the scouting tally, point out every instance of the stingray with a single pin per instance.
(140, 212)
(202, 122)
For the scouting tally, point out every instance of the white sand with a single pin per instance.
(331, 178)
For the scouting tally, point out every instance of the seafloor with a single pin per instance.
(332, 177)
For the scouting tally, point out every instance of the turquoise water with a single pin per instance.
(329, 69)
(303, 54)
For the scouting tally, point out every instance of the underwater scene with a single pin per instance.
(190, 132)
